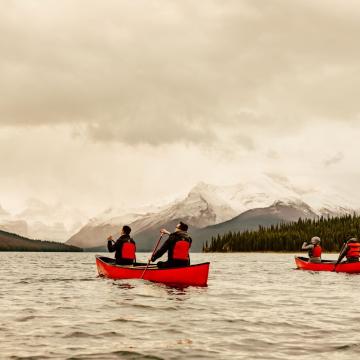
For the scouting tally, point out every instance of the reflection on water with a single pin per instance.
(53, 306)
(123, 285)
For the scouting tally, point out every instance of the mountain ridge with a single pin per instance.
(262, 202)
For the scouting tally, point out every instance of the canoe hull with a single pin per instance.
(303, 264)
(194, 275)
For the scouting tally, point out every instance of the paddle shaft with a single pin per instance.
(155, 248)
(341, 250)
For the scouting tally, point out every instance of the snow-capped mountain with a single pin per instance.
(267, 189)
(269, 198)
(276, 213)
(199, 208)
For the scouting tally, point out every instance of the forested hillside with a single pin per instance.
(289, 236)
(13, 242)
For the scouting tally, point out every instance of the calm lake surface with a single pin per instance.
(53, 306)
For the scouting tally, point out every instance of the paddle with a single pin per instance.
(341, 250)
(155, 248)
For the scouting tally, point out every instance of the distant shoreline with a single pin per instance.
(14, 242)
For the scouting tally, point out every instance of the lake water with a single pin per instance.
(53, 306)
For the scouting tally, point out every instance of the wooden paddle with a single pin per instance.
(155, 248)
(341, 250)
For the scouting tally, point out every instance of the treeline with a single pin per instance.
(289, 237)
(14, 242)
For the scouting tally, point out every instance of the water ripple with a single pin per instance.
(255, 307)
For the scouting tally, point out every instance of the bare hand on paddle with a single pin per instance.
(110, 238)
(164, 231)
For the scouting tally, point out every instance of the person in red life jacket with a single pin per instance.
(314, 249)
(177, 246)
(124, 247)
(351, 250)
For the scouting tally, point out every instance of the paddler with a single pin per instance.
(351, 250)
(124, 247)
(314, 249)
(177, 246)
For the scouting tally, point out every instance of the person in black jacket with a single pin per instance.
(177, 246)
(124, 247)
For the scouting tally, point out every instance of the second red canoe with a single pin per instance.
(327, 265)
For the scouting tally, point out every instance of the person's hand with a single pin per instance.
(164, 231)
(110, 238)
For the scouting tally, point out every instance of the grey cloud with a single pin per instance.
(283, 180)
(161, 72)
(272, 154)
(334, 159)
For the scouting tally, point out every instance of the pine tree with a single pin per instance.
(290, 236)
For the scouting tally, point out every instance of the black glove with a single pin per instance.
(153, 259)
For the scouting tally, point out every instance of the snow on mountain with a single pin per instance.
(199, 208)
(265, 190)
(116, 215)
(206, 205)
(201, 203)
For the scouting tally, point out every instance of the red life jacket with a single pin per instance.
(181, 250)
(354, 250)
(128, 250)
(316, 251)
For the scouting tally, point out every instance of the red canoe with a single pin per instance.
(195, 275)
(327, 265)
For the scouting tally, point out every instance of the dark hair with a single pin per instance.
(183, 226)
(126, 229)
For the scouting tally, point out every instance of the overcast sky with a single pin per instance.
(133, 101)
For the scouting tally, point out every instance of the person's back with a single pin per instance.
(351, 251)
(177, 246)
(124, 247)
(314, 249)
(178, 253)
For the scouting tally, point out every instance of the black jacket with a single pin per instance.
(117, 247)
(169, 245)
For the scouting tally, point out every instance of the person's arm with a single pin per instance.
(135, 249)
(305, 246)
(342, 254)
(110, 244)
(164, 231)
(164, 248)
